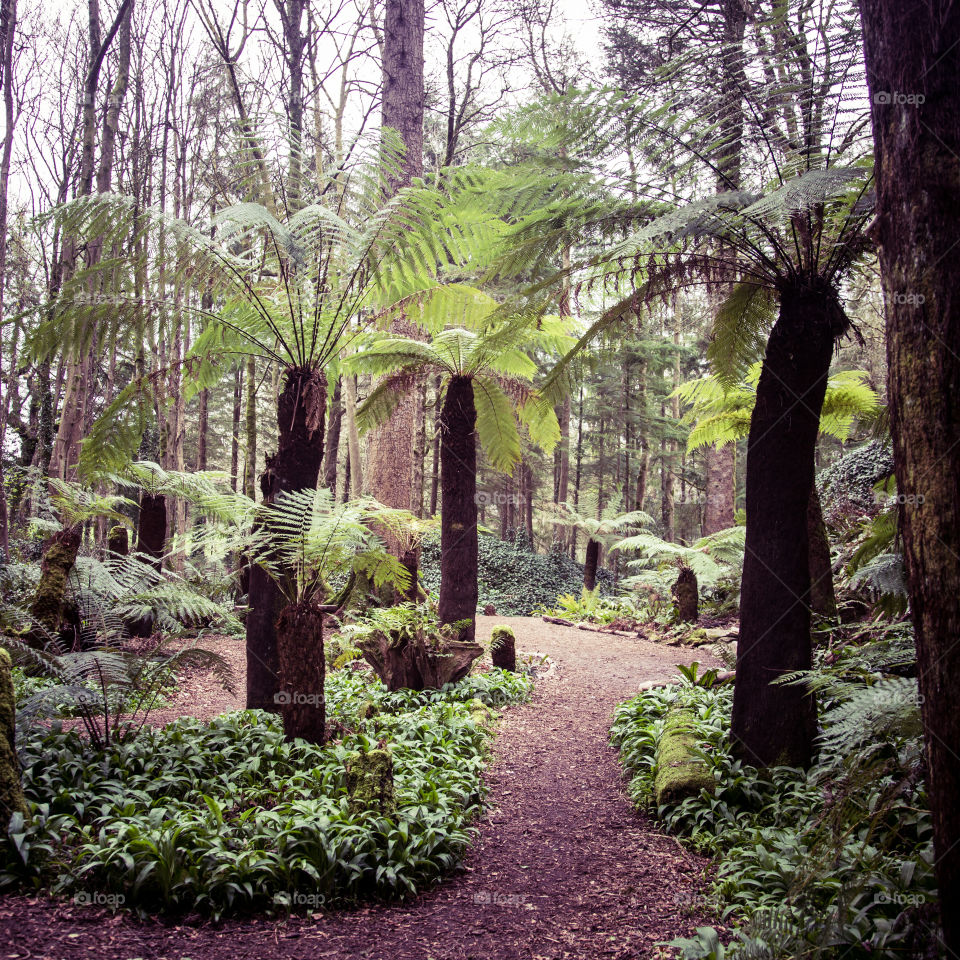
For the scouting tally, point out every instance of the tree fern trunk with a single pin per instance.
(458, 508)
(301, 407)
(590, 567)
(774, 724)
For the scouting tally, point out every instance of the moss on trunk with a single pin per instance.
(11, 793)
(48, 600)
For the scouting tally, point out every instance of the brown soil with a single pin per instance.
(564, 867)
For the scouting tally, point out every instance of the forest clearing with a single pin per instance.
(479, 479)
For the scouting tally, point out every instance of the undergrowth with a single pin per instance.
(832, 862)
(226, 816)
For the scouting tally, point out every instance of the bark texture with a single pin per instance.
(775, 724)
(301, 407)
(718, 510)
(911, 51)
(458, 514)
(302, 671)
(390, 474)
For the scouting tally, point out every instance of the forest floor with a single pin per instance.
(564, 869)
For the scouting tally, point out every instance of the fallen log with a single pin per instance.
(680, 773)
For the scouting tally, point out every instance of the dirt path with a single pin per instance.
(565, 868)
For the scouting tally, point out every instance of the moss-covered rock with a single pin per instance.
(370, 781)
(503, 648)
(11, 793)
(479, 712)
(679, 772)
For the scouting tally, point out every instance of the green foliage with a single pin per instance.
(712, 558)
(493, 356)
(721, 411)
(513, 578)
(417, 622)
(828, 862)
(590, 606)
(227, 816)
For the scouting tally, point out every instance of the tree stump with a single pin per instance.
(11, 792)
(686, 594)
(503, 648)
(406, 663)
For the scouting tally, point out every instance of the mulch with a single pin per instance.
(564, 868)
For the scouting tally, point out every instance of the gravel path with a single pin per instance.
(565, 867)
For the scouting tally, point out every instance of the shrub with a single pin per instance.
(823, 862)
(512, 577)
(227, 816)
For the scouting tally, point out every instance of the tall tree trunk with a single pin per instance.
(80, 380)
(250, 420)
(301, 407)
(331, 450)
(390, 473)
(203, 416)
(667, 512)
(458, 513)
(235, 431)
(8, 26)
(578, 471)
(776, 723)
(911, 50)
(353, 438)
(718, 510)
(419, 450)
(528, 504)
